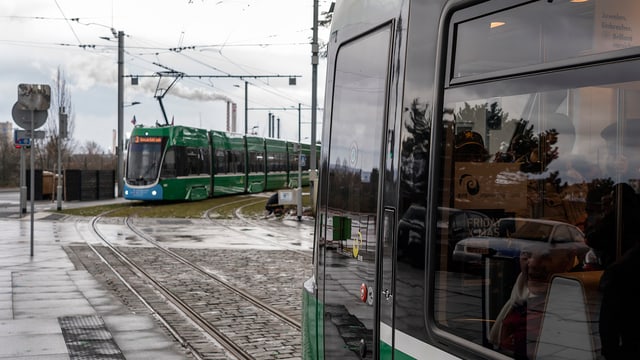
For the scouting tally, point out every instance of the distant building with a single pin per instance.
(6, 130)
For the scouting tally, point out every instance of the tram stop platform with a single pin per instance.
(49, 310)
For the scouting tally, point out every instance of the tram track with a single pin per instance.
(168, 296)
(244, 294)
(196, 308)
(247, 221)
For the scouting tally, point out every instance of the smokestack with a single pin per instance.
(228, 116)
(114, 139)
(272, 120)
(234, 109)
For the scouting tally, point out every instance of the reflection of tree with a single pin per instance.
(414, 156)
(534, 151)
(420, 126)
(352, 188)
(490, 115)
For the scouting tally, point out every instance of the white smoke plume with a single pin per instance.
(98, 70)
(198, 94)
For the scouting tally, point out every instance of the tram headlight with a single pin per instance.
(154, 193)
(126, 192)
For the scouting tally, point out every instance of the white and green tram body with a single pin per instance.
(442, 117)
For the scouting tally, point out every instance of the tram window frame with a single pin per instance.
(561, 74)
(351, 211)
(468, 14)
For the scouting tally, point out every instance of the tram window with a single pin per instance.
(276, 162)
(169, 164)
(293, 162)
(256, 161)
(540, 32)
(532, 160)
(190, 161)
(236, 161)
(205, 161)
(348, 252)
(143, 161)
(221, 162)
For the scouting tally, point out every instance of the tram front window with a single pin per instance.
(143, 163)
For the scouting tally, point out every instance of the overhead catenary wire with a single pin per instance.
(140, 52)
(158, 50)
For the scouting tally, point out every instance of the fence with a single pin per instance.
(79, 185)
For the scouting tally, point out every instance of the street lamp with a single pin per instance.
(119, 158)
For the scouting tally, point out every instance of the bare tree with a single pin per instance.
(324, 22)
(9, 163)
(91, 147)
(94, 157)
(60, 103)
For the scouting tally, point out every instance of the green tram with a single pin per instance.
(180, 163)
(478, 182)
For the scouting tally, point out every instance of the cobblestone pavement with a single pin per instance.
(234, 251)
(268, 258)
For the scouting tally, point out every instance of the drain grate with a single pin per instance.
(54, 217)
(87, 338)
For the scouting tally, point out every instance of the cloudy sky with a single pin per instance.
(223, 38)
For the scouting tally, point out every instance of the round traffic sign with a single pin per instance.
(22, 117)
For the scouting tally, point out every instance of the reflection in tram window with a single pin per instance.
(549, 152)
(351, 225)
(491, 136)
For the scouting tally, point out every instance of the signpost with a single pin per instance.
(30, 113)
(23, 137)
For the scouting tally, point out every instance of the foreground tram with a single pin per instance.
(180, 163)
(478, 182)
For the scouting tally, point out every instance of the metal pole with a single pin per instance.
(119, 156)
(299, 207)
(246, 106)
(32, 173)
(23, 181)
(314, 96)
(59, 187)
(299, 121)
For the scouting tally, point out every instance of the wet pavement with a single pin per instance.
(50, 310)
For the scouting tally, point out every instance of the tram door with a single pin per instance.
(350, 200)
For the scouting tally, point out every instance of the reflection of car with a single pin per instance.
(508, 236)
(411, 235)
(453, 224)
(459, 224)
